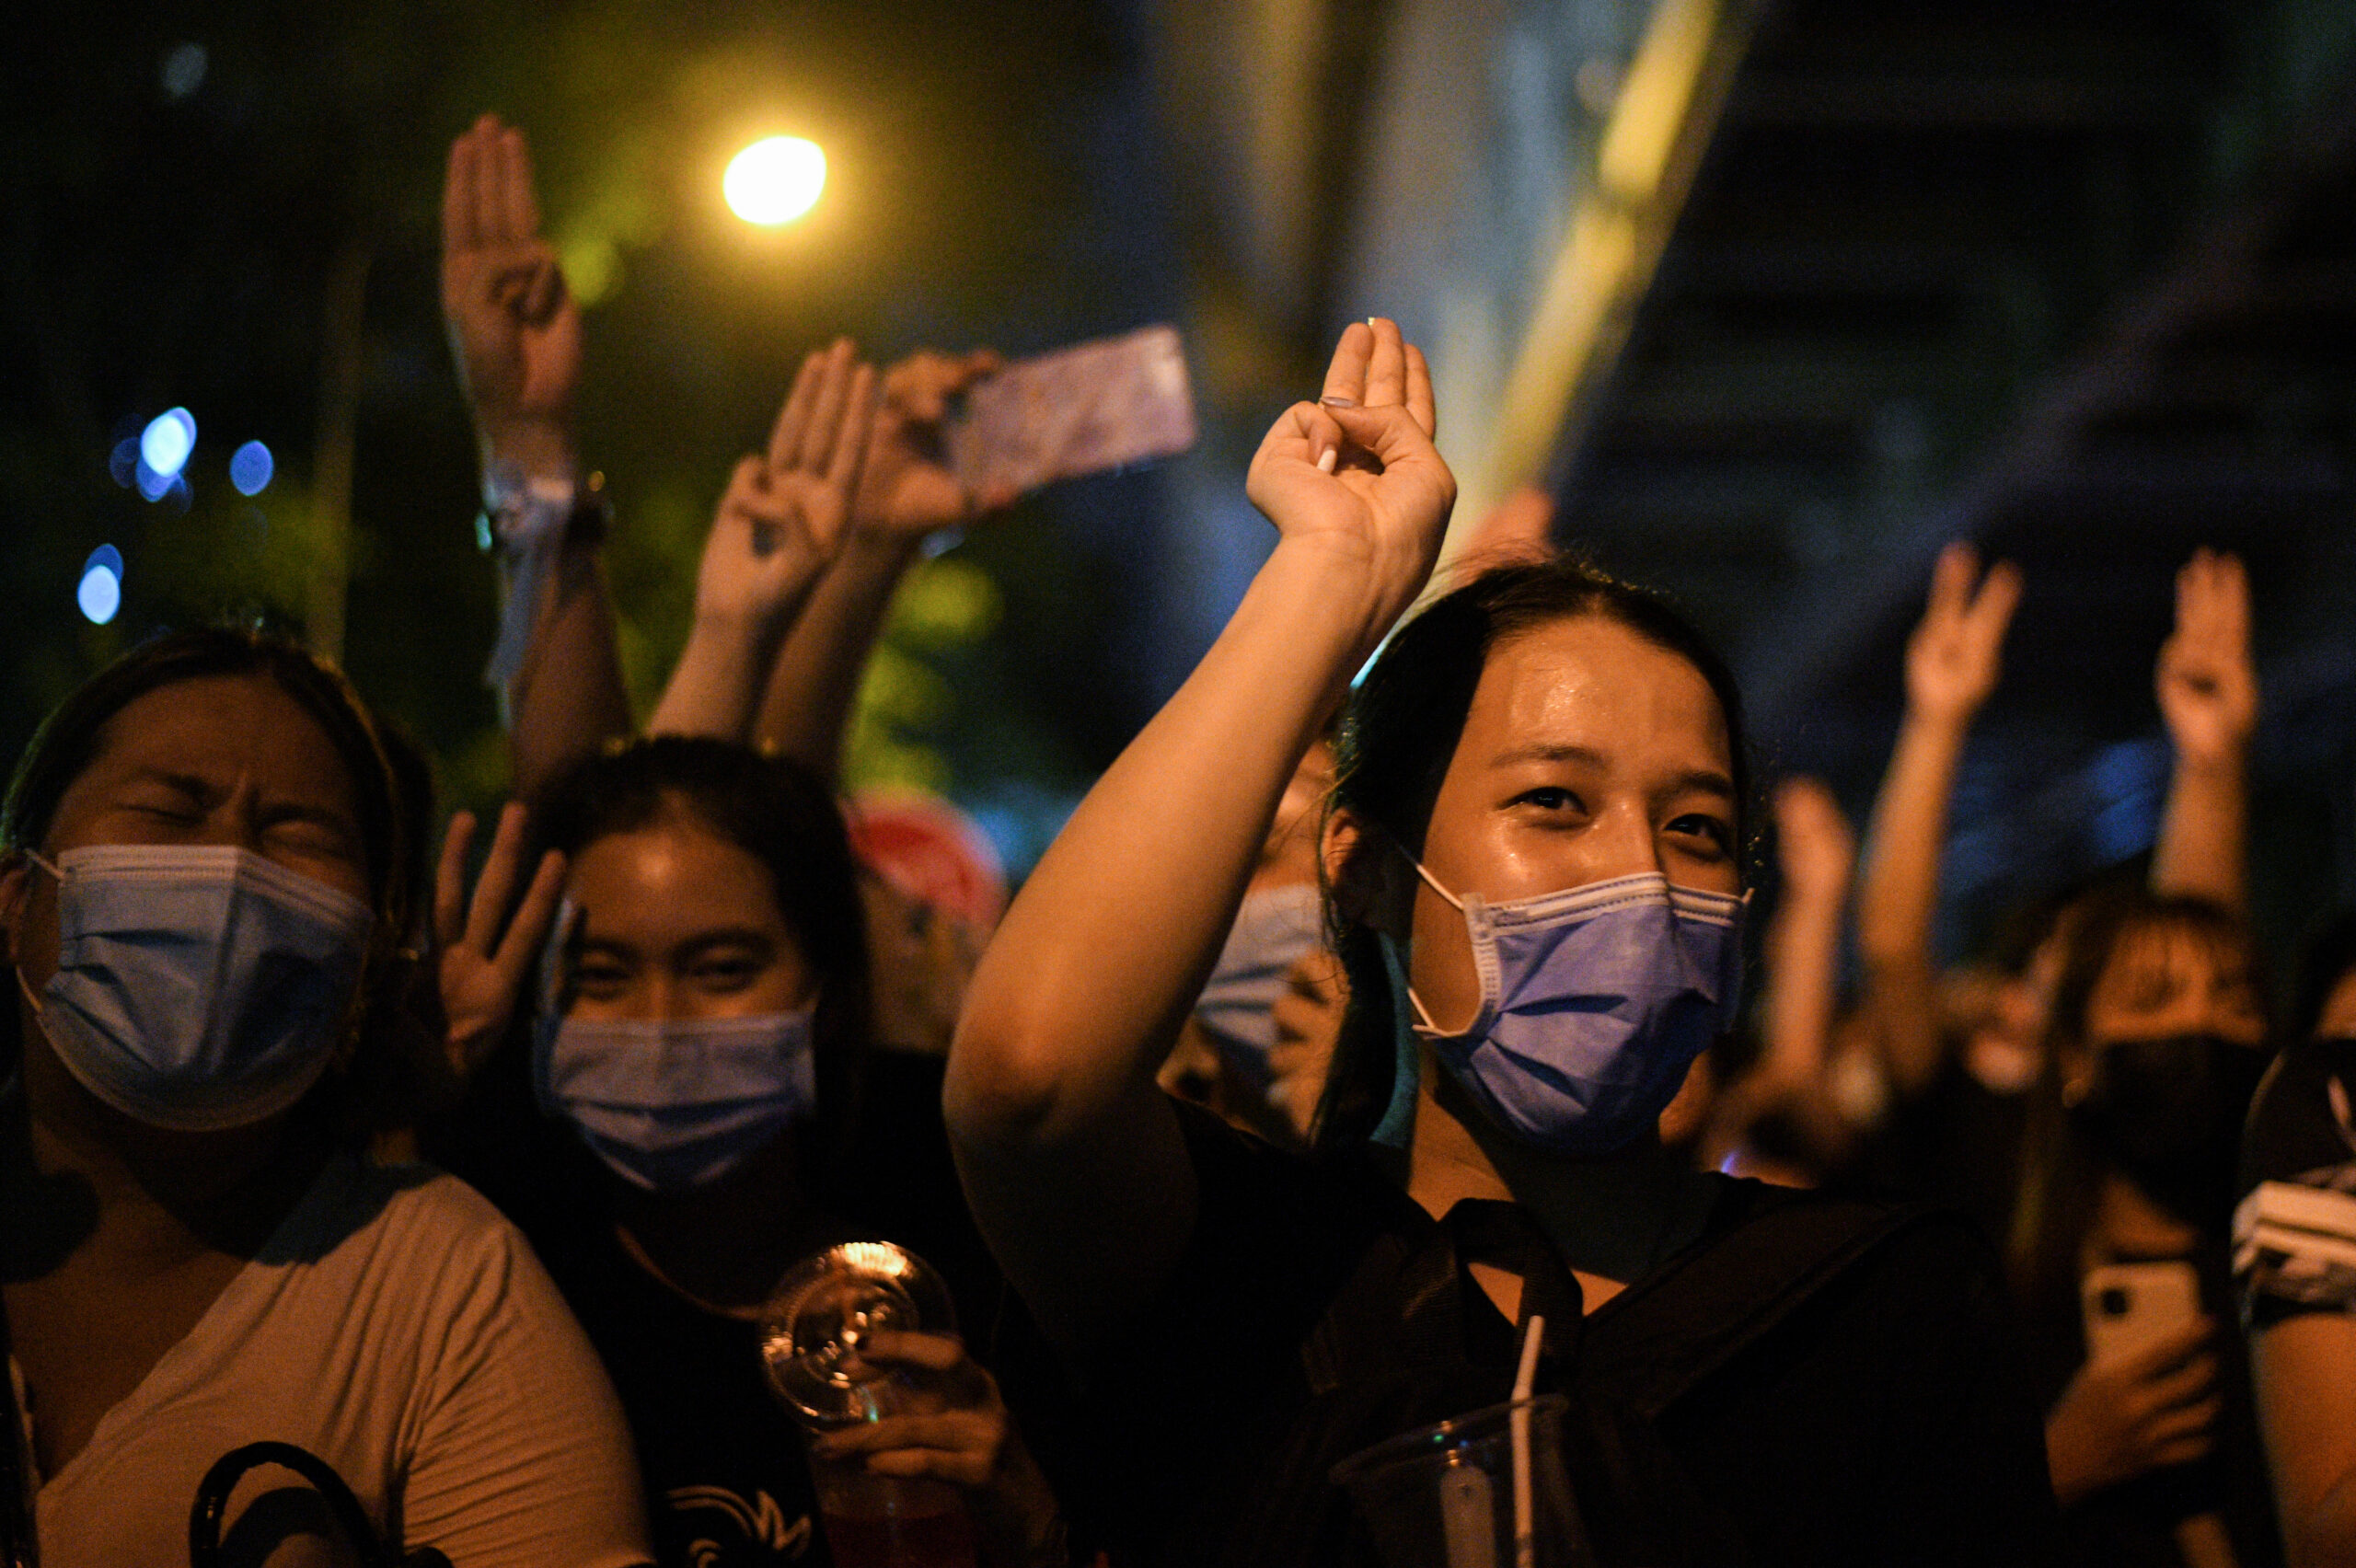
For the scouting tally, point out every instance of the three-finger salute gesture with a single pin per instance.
(784, 513)
(2207, 686)
(515, 327)
(1953, 659)
(1355, 473)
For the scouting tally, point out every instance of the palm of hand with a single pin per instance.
(771, 538)
(1948, 671)
(2210, 704)
(477, 1000)
(518, 329)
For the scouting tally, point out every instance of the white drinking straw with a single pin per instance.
(1525, 1544)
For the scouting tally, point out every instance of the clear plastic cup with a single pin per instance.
(1443, 1497)
(813, 1337)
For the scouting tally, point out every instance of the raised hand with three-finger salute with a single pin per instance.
(1355, 472)
(781, 521)
(784, 513)
(514, 328)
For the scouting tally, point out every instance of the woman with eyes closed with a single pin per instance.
(1534, 857)
(712, 1116)
(204, 889)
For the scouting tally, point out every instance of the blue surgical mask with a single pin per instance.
(1594, 1002)
(198, 987)
(671, 1103)
(1276, 928)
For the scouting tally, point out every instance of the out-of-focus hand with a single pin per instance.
(1953, 659)
(1355, 472)
(783, 515)
(484, 946)
(514, 328)
(2208, 686)
(959, 1433)
(906, 490)
(2140, 1412)
(1815, 847)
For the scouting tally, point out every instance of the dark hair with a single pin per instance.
(2329, 954)
(2060, 1177)
(778, 812)
(71, 738)
(1400, 730)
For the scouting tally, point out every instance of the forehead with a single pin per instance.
(1592, 683)
(2167, 958)
(669, 881)
(223, 730)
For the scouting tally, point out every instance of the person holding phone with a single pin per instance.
(2158, 1044)
(1541, 806)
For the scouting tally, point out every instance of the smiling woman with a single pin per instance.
(204, 881)
(1534, 859)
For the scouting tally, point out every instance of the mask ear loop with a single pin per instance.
(1397, 1128)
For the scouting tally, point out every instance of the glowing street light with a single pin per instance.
(776, 180)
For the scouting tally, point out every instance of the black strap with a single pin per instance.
(212, 1501)
(1669, 1333)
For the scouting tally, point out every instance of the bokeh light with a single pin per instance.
(165, 444)
(99, 595)
(183, 70)
(776, 180)
(251, 468)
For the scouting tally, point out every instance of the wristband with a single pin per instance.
(526, 521)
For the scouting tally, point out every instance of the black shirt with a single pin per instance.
(727, 1482)
(2294, 1234)
(1318, 1310)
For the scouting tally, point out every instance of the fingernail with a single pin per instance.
(1372, 319)
(1338, 401)
(1325, 459)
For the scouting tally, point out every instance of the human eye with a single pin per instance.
(727, 970)
(1703, 833)
(1550, 797)
(600, 976)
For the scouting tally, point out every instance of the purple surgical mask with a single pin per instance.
(1594, 1002)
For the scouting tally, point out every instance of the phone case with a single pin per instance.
(2130, 1305)
(1084, 409)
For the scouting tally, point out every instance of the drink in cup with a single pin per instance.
(814, 1334)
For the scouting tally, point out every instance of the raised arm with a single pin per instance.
(906, 494)
(779, 524)
(515, 333)
(2208, 691)
(1071, 1158)
(1817, 852)
(1952, 663)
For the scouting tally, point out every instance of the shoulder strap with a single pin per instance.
(1673, 1332)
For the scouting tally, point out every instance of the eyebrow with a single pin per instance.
(1709, 781)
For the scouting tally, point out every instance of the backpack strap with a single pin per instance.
(1673, 1332)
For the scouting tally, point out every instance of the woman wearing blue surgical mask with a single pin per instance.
(1534, 851)
(1228, 1056)
(710, 1113)
(204, 886)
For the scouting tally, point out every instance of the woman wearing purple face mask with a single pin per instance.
(1534, 851)
(206, 881)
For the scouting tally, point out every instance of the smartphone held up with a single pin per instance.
(1088, 408)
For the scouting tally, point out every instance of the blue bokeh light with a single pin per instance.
(251, 468)
(151, 485)
(123, 461)
(100, 591)
(170, 437)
